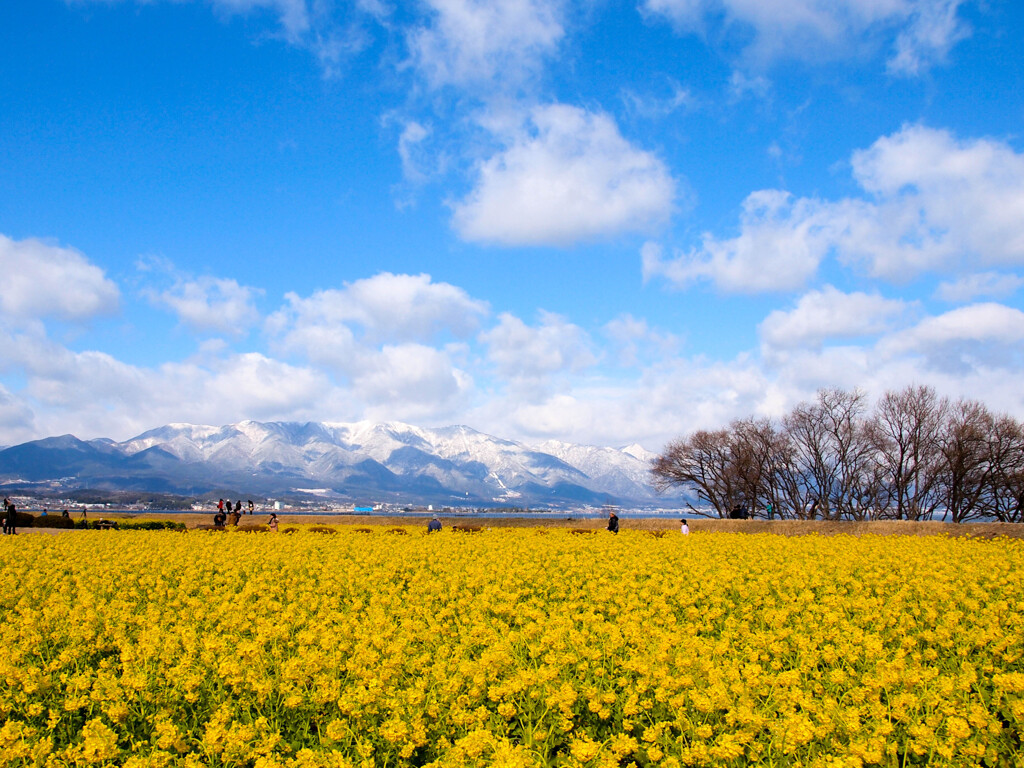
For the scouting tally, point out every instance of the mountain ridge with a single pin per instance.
(387, 461)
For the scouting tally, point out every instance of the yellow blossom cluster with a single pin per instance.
(509, 647)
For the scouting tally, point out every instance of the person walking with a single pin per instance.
(272, 523)
(11, 520)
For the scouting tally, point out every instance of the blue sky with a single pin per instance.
(597, 222)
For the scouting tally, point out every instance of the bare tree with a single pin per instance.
(831, 456)
(965, 471)
(795, 489)
(906, 432)
(704, 464)
(1004, 496)
(755, 445)
(914, 456)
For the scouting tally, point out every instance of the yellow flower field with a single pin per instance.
(518, 647)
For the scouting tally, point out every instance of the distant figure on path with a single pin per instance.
(273, 522)
(684, 528)
(613, 522)
(739, 512)
(220, 505)
(11, 520)
(66, 514)
(433, 525)
(250, 506)
(238, 507)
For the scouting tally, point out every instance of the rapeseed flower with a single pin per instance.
(514, 648)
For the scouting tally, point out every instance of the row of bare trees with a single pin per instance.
(914, 456)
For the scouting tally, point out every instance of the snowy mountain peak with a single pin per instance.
(377, 460)
(640, 453)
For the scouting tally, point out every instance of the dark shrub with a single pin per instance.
(52, 521)
(23, 520)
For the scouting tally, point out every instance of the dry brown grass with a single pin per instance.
(834, 527)
(369, 523)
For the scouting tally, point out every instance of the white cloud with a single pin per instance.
(550, 382)
(979, 285)
(935, 28)
(212, 304)
(557, 416)
(371, 333)
(527, 352)
(924, 30)
(741, 85)
(42, 280)
(322, 341)
(650, 106)
(973, 352)
(635, 341)
(977, 324)
(384, 308)
(568, 176)
(782, 241)
(411, 380)
(16, 419)
(92, 393)
(968, 352)
(933, 203)
(410, 144)
(939, 202)
(484, 42)
(667, 400)
(830, 314)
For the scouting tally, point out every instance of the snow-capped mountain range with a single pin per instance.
(361, 460)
